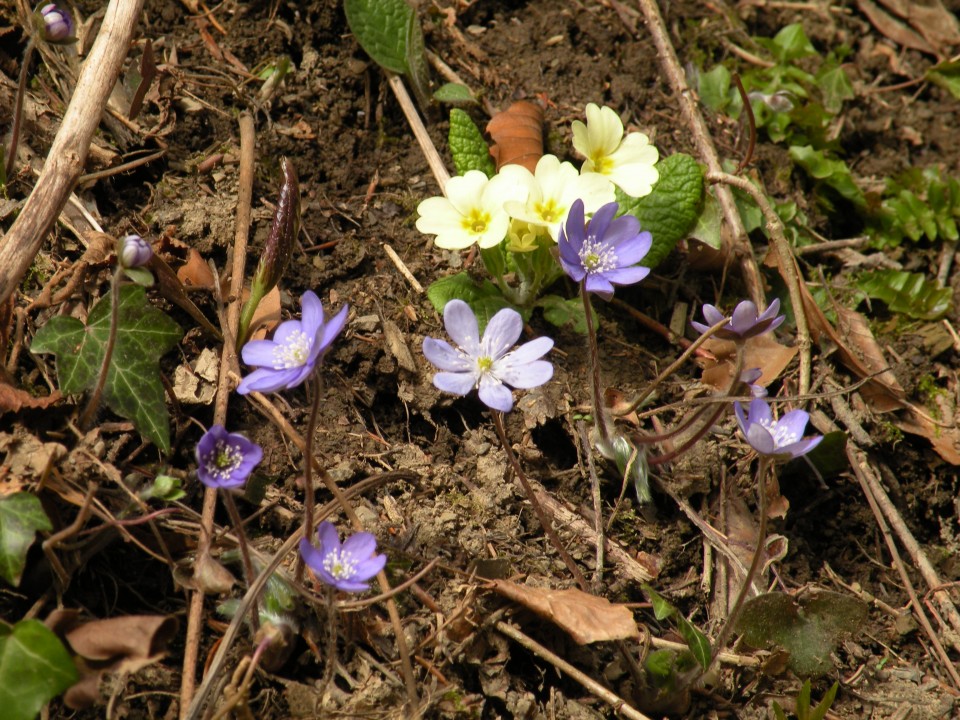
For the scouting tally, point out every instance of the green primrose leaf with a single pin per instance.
(21, 516)
(809, 628)
(833, 173)
(671, 210)
(947, 76)
(454, 93)
(34, 668)
(906, 293)
(469, 149)
(133, 388)
(382, 28)
(484, 299)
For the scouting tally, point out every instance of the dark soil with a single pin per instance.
(362, 176)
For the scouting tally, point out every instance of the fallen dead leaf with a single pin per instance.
(517, 134)
(761, 351)
(14, 399)
(195, 272)
(587, 618)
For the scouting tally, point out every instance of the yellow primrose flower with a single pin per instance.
(554, 187)
(472, 212)
(524, 237)
(628, 161)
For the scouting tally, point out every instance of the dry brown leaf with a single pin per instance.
(587, 618)
(195, 272)
(893, 28)
(517, 135)
(760, 351)
(14, 399)
(25, 457)
(123, 645)
(931, 19)
(267, 315)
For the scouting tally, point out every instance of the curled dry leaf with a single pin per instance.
(121, 645)
(14, 399)
(761, 351)
(587, 618)
(517, 135)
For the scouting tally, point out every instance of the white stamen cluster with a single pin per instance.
(294, 352)
(782, 434)
(224, 460)
(597, 257)
(341, 565)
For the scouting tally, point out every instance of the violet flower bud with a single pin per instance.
(134, 252)
(55, 24)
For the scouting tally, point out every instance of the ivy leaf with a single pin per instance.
(671, 210)
(469, 149)
(834, 173)
(714, 88)
(908, 293)
(790, 44)
(381, 27)
(835, 86)
(561, 311)
(34, 668)
(21, 516)
(133, 388)
(484, 299)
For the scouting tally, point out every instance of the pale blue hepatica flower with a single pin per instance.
(745, 322)
(488, 363)
(297, 346)
(779, 439)
(225, 460)
(348, 567)
(605, 251)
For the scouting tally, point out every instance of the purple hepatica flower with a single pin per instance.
(780, 439)
(749, 378)
(488, 363)
(287, 360)
(605, 251)
(744, 323)
(347, 567)
(134, 251)
(225, 460)
(55, 24)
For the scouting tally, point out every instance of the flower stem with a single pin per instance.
(18, 109)
(316, 385)
(248, 574)
(765, 465)
(94, 401)
(599, 411)
(537, 508)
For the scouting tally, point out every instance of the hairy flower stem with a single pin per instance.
(316, 385)
(537, 508)
(599, 411)
(248, 574)
(765, 466)
(18, 109)
(94, 402)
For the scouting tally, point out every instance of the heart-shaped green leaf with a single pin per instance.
(34, 668)
(21, 516)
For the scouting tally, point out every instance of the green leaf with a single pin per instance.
(454, 93)
(908, 293)
(714, 88)
(381, 27)
(791, 43)
(21, 516)
(820, 711)
(469, 149)
(947, 76)
(662, 609)
(484, 299)
(139, 275)
(709, 222)
(835, 86)
(671, 210)
(660, 665)
(133, 388)
(834, 173)
(696, 641)
(809, 629)
(34, 668)
(418, 72)
(561, 311)
(164, 487)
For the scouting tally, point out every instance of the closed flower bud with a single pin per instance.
(134, 251)
(55, 24)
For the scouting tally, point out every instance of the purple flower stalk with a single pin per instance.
(225, 460)
(346, 567)
(134, 251)
(56, 25)
(779, 439)
(745, 322)
(297, 346)
(487, 364)
(605, 251)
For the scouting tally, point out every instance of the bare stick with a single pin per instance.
(616, 702)
(402, 267)
(228, 360)
(420, 132)
(68, 153)
(705, 147)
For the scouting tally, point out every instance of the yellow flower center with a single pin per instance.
(602, 164)
(476, 222)
(484, 364)
(549, 211)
